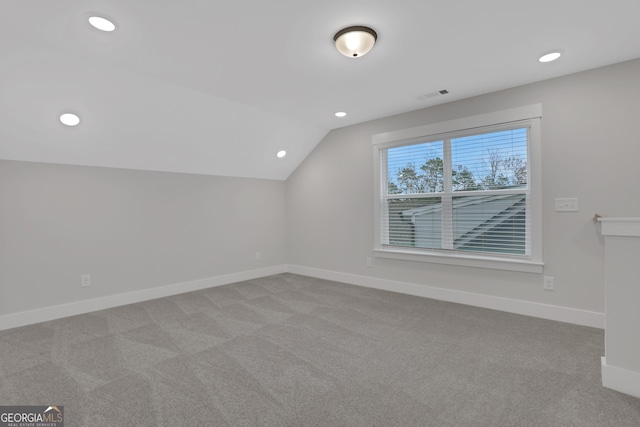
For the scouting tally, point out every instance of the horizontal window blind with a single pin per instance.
(490, 224)
(415, 169)
(404, 230)
(467, 194)
(490, 161)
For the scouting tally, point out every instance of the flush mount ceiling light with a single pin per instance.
(281, 154)
(355, 41)
(551, 56)
(101, 23)
(340, 114)
(70, 119)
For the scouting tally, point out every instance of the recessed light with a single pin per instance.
(70, 119)
(281, 154)
(101, 23)
(341, 114)
(551, 56)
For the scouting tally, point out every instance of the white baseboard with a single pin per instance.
(15, 320)
(527, 308)
(619, 379)
(545, 311)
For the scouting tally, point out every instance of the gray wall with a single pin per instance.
(131, 230)
(590, 150)
(134, 230)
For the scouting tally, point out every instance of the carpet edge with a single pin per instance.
(44, 314)
(527, 308)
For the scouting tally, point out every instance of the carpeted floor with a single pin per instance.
(289, 350)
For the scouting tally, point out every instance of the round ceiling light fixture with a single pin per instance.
(70, 119)
(340, 114)
(356, 41)
(102, 24)
(280, 154)
(551, 56)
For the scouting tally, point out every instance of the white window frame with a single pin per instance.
(532, 262)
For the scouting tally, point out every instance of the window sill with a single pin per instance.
(462, 260)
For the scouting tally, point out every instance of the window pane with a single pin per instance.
(490, 161)
(492, 224)
(415, 222)
(415, 168)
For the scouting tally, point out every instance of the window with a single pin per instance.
(462, 192)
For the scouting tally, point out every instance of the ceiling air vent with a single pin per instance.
(432, 94)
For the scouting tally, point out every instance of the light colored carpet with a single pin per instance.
(289, 350)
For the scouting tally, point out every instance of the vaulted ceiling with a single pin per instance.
(211, 87)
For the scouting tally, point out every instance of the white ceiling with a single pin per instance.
(217, 88)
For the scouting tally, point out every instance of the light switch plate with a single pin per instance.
(567, 204)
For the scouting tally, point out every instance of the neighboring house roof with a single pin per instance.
(476, 218)
(458, 203)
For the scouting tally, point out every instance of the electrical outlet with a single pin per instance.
(547, 285)
(258, 256)
(85, 280)
(369, 262)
